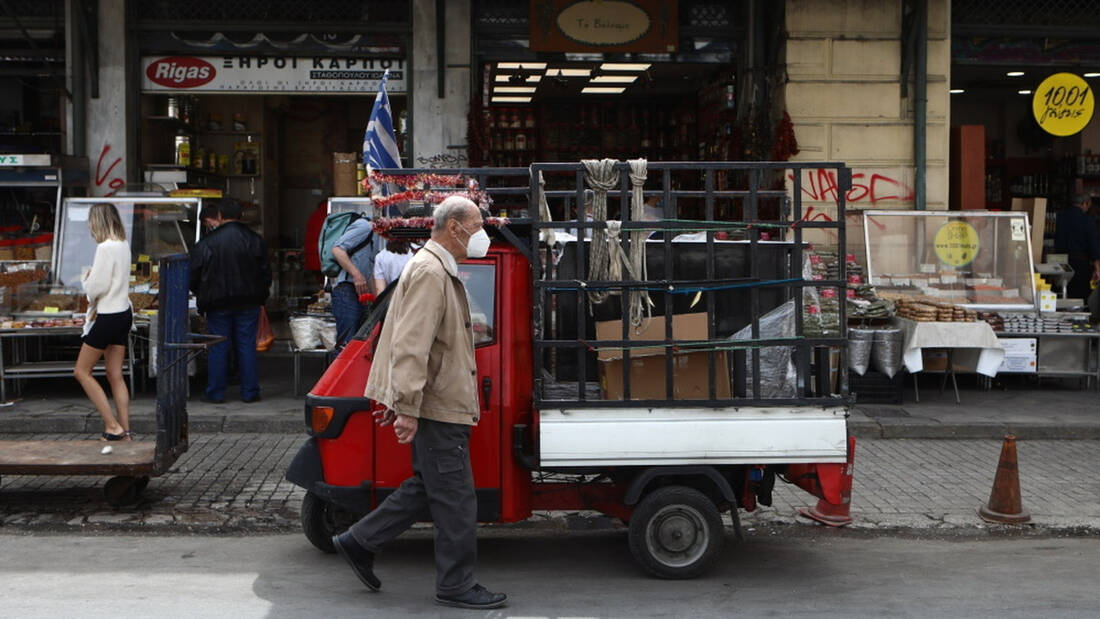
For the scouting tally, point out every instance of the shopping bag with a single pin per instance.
(265, 337)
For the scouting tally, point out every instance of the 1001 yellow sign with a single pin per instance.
(957, 243)
(1063, 104)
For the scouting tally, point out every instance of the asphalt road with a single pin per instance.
(820, 573)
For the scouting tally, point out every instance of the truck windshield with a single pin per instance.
(480, 282)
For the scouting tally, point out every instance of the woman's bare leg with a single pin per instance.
(115, 357)
(85, 361)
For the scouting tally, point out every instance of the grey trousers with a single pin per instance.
(442, 485)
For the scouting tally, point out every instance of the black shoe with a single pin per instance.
(360, 559)
(250, 400)
(477, 598)
(211, 400)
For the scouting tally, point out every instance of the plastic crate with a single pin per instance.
(875, 388)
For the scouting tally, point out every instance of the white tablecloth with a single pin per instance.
(974, 344)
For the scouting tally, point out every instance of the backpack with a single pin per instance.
(334, 227)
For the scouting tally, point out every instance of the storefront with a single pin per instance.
(563, 81)
(260, 110)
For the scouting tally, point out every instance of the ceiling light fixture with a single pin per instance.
(602, 90)
(1024, 92)
(956, 91)
(570, 72)
(502, 77)
(514, 89)
(511, 99)
(1015, 74)
(623, 66)
(1092, 75)
(613, 79)
(534, 78)
(522, 65)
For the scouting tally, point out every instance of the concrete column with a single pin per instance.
(107, 115)
(439, 124)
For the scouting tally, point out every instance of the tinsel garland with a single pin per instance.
(384, 226)
(420, 184)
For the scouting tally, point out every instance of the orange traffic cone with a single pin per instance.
(831, 514)
(1004, 505)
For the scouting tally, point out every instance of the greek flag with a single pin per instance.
(380, 143)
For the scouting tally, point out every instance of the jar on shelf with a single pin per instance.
(529, 120)
(183, 149)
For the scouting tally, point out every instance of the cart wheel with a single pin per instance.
(321, 520)
(121, 491)
(676, 532)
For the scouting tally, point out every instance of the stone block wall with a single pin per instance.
(843, 60)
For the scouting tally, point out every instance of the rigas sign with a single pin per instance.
(180, 72)
(271, 74)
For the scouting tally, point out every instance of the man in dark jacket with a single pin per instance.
(1076, 235)
(230, 277)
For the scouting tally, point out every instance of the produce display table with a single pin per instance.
(20, 366)
(970, 344)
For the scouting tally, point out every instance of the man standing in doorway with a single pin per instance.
(231, 277)
(432, 405)
(354, 252)
(1076, 235)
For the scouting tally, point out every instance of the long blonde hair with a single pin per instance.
(104, 223)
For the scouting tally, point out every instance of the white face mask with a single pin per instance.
(477, 246)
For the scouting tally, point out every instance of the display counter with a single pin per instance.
(979, 260)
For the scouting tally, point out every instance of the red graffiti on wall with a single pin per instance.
(821, 185)
(101, 176)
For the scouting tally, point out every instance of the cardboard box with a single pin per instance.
(647, 365)
(344, 175)
(1036, 209)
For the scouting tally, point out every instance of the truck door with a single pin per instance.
(393, 462)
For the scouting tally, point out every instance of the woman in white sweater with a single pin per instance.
(107, 284)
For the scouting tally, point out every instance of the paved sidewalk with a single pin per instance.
(232, 483)
(1051, 410)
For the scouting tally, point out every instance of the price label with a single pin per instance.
(1063, 104)
(949, 279)
(143, 258)
(956, 243)
(51, 310)
(1011, 292)
(929, 268)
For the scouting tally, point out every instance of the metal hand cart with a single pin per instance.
(131, 463)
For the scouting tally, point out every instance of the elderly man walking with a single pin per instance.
(432, 405)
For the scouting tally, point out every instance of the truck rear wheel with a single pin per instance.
(321, 520)
(676, 532)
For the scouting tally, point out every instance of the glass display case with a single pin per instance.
(977, 259)
(155, 227)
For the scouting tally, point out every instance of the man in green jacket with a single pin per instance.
(425, 375)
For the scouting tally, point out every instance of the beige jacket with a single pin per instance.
(424, 363)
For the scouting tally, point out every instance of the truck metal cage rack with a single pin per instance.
(736, 281)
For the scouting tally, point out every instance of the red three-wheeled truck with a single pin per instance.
(660, 393)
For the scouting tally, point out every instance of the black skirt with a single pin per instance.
(110, 330)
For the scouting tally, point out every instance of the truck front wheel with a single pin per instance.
(676, 532)
(321, 520)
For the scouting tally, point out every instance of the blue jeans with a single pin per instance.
(348, 311)
(239, 329)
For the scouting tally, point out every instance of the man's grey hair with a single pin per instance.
(454, 207)
(1082, 198)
